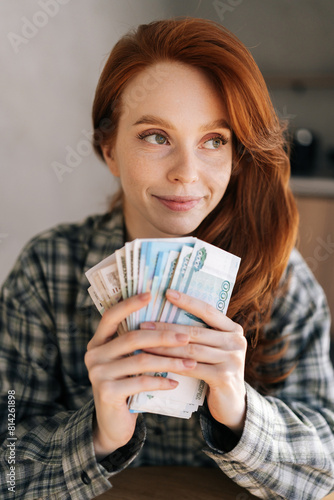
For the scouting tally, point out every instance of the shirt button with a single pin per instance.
(85, 478)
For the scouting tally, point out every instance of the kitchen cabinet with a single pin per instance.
(316, 241)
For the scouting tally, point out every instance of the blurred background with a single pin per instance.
(52, 52)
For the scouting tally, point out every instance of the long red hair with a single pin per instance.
(257, 217)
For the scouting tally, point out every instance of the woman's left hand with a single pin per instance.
(219, 351)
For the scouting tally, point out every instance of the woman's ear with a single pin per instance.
(109, 158)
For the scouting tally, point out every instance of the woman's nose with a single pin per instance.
(184, 167)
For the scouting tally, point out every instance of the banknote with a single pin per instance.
(96, 280)
(129, 267)
(187, 264)
(178, 276)
(210, 277)
(152, 249)
(105, 289)
(189, 391)
(129, 275)
(166, 279)
(95, 298)
(156, 281)
(110, 279)
(136, 246)
(123, 277)
(164, 407)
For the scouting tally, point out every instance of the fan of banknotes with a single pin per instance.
(186, 264)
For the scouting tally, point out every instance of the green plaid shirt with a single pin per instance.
(46, 320)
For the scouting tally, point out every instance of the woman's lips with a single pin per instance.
(179, 203)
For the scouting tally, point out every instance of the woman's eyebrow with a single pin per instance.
(155, 120)
(220, 123)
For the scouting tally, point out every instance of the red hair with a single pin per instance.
(257, 217)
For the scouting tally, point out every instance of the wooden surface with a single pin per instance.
(170, 483)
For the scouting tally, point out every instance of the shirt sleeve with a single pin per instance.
(287, 446)
(46, 447)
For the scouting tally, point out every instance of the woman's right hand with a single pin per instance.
(111, 371)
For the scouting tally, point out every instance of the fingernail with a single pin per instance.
(144, 296)
(173, 383)
(189, 363)
(148, 326)
(174, 294)
(182, 337)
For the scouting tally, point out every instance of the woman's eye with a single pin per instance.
(155, 139)
(214, 143)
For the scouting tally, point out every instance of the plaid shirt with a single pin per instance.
(47, 318)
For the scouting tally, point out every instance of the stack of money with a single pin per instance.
(188, 265)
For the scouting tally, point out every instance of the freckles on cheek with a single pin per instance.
(130, 181)
(219, 184)
(140, 174)
(130, 171)
(227, 170)
(136, 179)
(222, 177)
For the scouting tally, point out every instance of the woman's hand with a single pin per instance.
(111, 371)
(220, 355)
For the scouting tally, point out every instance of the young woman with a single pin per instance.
(183, 118)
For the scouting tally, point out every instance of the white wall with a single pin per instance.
(47, 83)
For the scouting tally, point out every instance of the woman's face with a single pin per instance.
(172, 151)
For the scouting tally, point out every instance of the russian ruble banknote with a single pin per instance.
(187, 264)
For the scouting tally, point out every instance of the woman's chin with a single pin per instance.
(177, 230)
